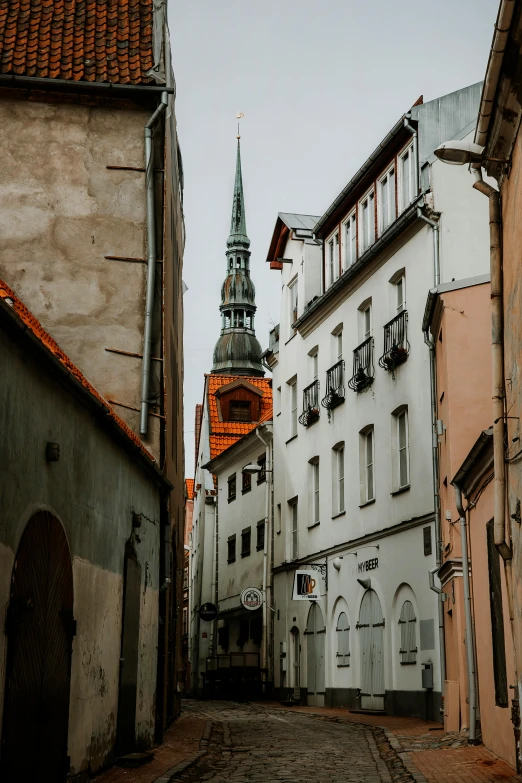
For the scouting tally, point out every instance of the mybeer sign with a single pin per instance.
(306, 585)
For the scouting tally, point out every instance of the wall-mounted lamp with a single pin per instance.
(337, 563)
(366, 583)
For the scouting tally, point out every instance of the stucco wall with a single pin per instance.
(61, 212)
(93, 490)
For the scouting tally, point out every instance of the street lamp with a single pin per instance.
(457, 152)
(254, 468)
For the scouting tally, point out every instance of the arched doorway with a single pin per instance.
(316, 634)
(295, 641)
(40, 629)
(371, 626)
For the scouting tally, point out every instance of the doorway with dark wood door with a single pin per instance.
(130, 633)
(40, 629)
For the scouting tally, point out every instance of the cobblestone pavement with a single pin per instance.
(251, 744)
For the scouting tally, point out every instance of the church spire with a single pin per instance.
(237, 350)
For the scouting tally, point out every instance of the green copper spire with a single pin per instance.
(238, 235)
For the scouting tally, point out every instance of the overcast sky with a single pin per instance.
(320, 82)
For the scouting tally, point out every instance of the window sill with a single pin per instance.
(401, 490)
(343, 665)
(368, 503)
(244, 491)
(245, 554)
(340, 514)
(311, 527)
(231, 500)
(259, 548)
(233, 560)
(291, 439)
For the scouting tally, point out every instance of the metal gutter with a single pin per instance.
(67, 85)
(454, 285)
(496, 57)
(89, 399)
(365, 168)
(407, 217)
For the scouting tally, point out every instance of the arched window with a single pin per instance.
(238, 262)
(343, 640)
(227, 319)
(407, 623)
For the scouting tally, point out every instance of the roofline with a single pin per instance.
(361, 173)
(109, 89)
(483, 444)
(213, 463)
(455, 285)
(104, 411)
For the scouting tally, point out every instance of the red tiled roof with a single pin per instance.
(34, 325)
(189, 487)
(90, 40)
(224, 434)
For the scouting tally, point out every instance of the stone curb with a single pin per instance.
(173, 773)
(405, 757)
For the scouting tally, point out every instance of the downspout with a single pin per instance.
(214, 583)
(470, 641)
(151, 262)
(266, 543)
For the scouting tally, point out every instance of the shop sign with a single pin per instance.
(310, 582)
(251, 598)
(208, 612)
(368, 565)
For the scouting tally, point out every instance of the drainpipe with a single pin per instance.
(470, 641)
(151, 262)
(268, 463)
(436, 504)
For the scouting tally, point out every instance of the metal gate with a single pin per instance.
(316, 634)
(40, 629)
(371, 626)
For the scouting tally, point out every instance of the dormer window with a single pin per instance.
(239, 410)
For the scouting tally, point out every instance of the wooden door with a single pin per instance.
(126, 726)
(315, 644)
(371, 627)
(40, 629)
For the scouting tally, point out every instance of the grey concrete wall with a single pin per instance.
(61, 212)
(93, 490)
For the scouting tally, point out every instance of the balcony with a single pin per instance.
(310, 412)
(363, 369)
(334, 386)
(396, 345)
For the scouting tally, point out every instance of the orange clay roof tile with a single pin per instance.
(224, 434)
(34, 325)
(58, 39)
(189, 486)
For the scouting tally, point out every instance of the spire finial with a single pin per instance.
(239, 114)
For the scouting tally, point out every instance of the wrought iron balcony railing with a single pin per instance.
(310, 404)
(334, 386)
(396, 345)
(363, 369)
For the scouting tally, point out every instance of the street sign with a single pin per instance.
(251, 598)
(208, 612)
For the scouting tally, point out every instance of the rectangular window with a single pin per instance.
(367, 322)
(231, 487)
(367, 466)
(239, 410)
(245, 541)
(231, 549)
(339, 343)
(387, 211)
(332, 261)
(314, 490)
(408, 177)
(295, 531)
(260, 544)
(350, 241)
(497, 620)
(185, 578)
(292, 288)
(403, 457)
(400, 294)
(246, 482)
(367, 233)
(293, 408)
(261, 476)
(314, 356)
(338, 479)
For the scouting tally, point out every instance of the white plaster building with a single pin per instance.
(353, 479)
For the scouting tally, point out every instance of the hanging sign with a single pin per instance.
(307, 585)
(208, 612)
(251, 598)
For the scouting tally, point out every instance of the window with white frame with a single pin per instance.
(350, 241)
(332, 261)
(294, 529)
(402, 450)
(367, 457)
(343, 640)
(365, 321)
(367, 224)
(407, 177)
(292, 290)
(407, 624)
(293, 407)
(400, 294)
(338, 479)
(387, 208)
(314, 491)
(314, 363)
